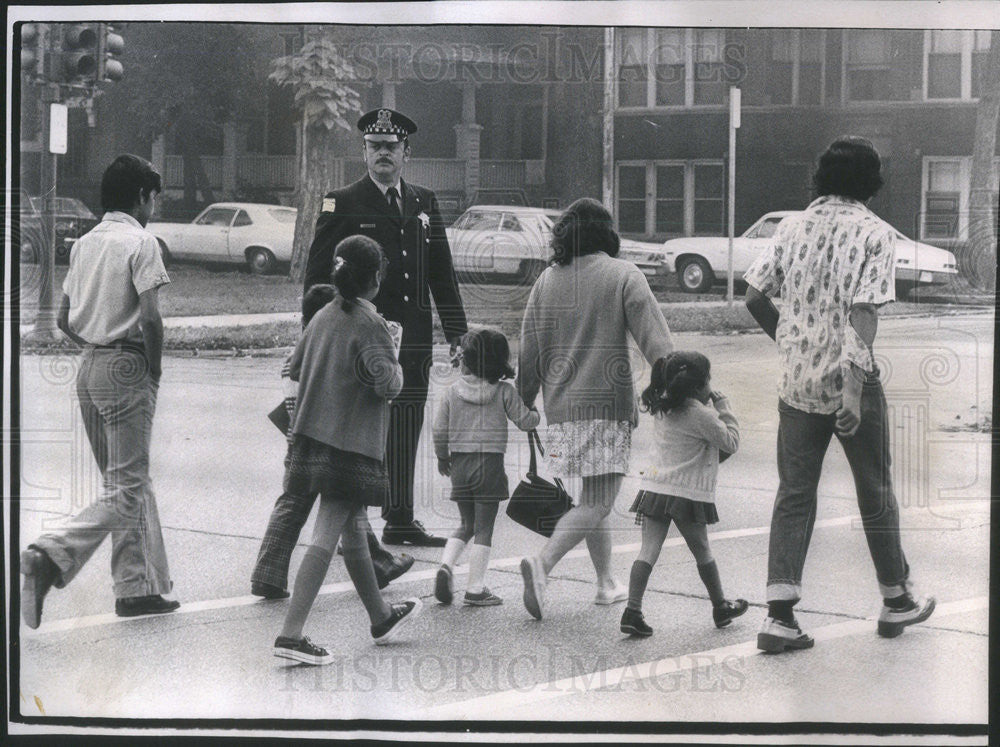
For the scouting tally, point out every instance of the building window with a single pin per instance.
(945, 196)
(795, 67)
(867, 65)
(671, 67)
(671, 198)
(952, 63)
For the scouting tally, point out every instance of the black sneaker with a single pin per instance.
(401, 613)
(152, 604)
(302, 650)
(485, 598)
(634, 623)
(268, 591)
(892, 620)
(724, 613)
(443, 585)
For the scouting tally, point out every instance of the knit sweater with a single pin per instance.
(473, 415)
(686, 457)
(574, 339)
(347, 371)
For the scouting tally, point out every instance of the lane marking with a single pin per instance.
(501, 702)
(90, 621)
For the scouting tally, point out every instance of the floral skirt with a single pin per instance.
(313, 467)
(666, 507)
(585, 448)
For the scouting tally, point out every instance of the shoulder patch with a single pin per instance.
(329, 205)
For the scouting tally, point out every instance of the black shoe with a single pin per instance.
(268, 591)
(153, 604)
(401, 613)
(39, 575)
(413, 534)
(301, 649)
(724, 613)
(393, 568)
(443, 585)
(634, 623)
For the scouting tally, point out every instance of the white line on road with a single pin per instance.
(487, 706)
(90, 621)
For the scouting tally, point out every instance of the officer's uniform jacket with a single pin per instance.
(416, 246)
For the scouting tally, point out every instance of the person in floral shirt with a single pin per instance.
(833, 267)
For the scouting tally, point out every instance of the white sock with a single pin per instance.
(452, 549)
(479, 558)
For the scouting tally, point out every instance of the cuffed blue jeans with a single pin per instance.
(117, 400)
(803, 439)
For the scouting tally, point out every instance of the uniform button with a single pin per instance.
(404, 253)
(406, 275)
(406, 298)
(400, 231)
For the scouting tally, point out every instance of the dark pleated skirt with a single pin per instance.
(313, 467)
(666, 507)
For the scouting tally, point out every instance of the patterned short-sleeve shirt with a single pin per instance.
(833, 255)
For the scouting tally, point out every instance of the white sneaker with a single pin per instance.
(534, 586)
(776, 636)
(891, 622)
(617, 593)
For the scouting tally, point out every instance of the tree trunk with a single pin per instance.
(982, 255)
(317, 178)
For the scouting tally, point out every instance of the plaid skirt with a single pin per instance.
(313, 467)
(666, 507)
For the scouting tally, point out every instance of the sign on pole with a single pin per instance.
(734, 123)
(58, 128)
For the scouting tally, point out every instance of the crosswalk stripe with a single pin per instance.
(501, 702)
(90, 621)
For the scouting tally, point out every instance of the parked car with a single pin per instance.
(700, 261)
(257, 235)
(72, 218)
(514, 241)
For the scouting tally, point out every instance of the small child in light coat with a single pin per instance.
(470, 438)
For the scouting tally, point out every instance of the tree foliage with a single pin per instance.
(319, 76)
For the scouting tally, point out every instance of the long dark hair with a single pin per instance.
(850, 167)
(358, 262)
(486, 353)
(675, 378)
(585, 227)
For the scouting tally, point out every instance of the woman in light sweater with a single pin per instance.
(575, 350)
(691, 437)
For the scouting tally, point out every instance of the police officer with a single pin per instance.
(404, 218)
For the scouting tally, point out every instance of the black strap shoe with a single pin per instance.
(396, 566)
(153, 604)
(412, 534)
(268, 591)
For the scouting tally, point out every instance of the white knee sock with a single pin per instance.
(452, 550)
(479, 558)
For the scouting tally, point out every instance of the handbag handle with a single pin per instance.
(532, 440)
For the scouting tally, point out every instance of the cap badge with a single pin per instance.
(384, 119)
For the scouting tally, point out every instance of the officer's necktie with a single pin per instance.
(393, 196)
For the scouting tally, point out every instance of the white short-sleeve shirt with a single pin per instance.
(108, 268)
(833, 255)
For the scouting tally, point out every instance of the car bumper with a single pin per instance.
(924, 277)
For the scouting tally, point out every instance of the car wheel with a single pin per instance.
(694, 275)
(62, 253)
(165, 254)
(261, 261)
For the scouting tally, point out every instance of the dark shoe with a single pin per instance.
(413, 534)
(153, 604)
(268, 591)
(39, 575)
(401, 613)
(776, 636)
(396, 566)
(485, 598)
(301, 649)
(892, 621)
(634, 623)
(724, 613)
(442, 585)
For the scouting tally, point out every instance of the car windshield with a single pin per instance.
(69, 206)
(286, 215)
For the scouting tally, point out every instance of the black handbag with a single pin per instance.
(536, 503)
(280, 417)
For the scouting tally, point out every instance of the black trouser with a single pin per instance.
(406, 419)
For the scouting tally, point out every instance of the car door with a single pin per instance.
(243, 233)
(208, 236)
(473, 239)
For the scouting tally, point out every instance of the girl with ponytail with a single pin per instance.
(690, 436)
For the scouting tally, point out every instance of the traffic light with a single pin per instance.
(112, 46)
(79, 53)
(32, 54)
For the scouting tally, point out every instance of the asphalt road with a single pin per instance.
(217, 468)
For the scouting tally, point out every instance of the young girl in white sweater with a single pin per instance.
(690, 437)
